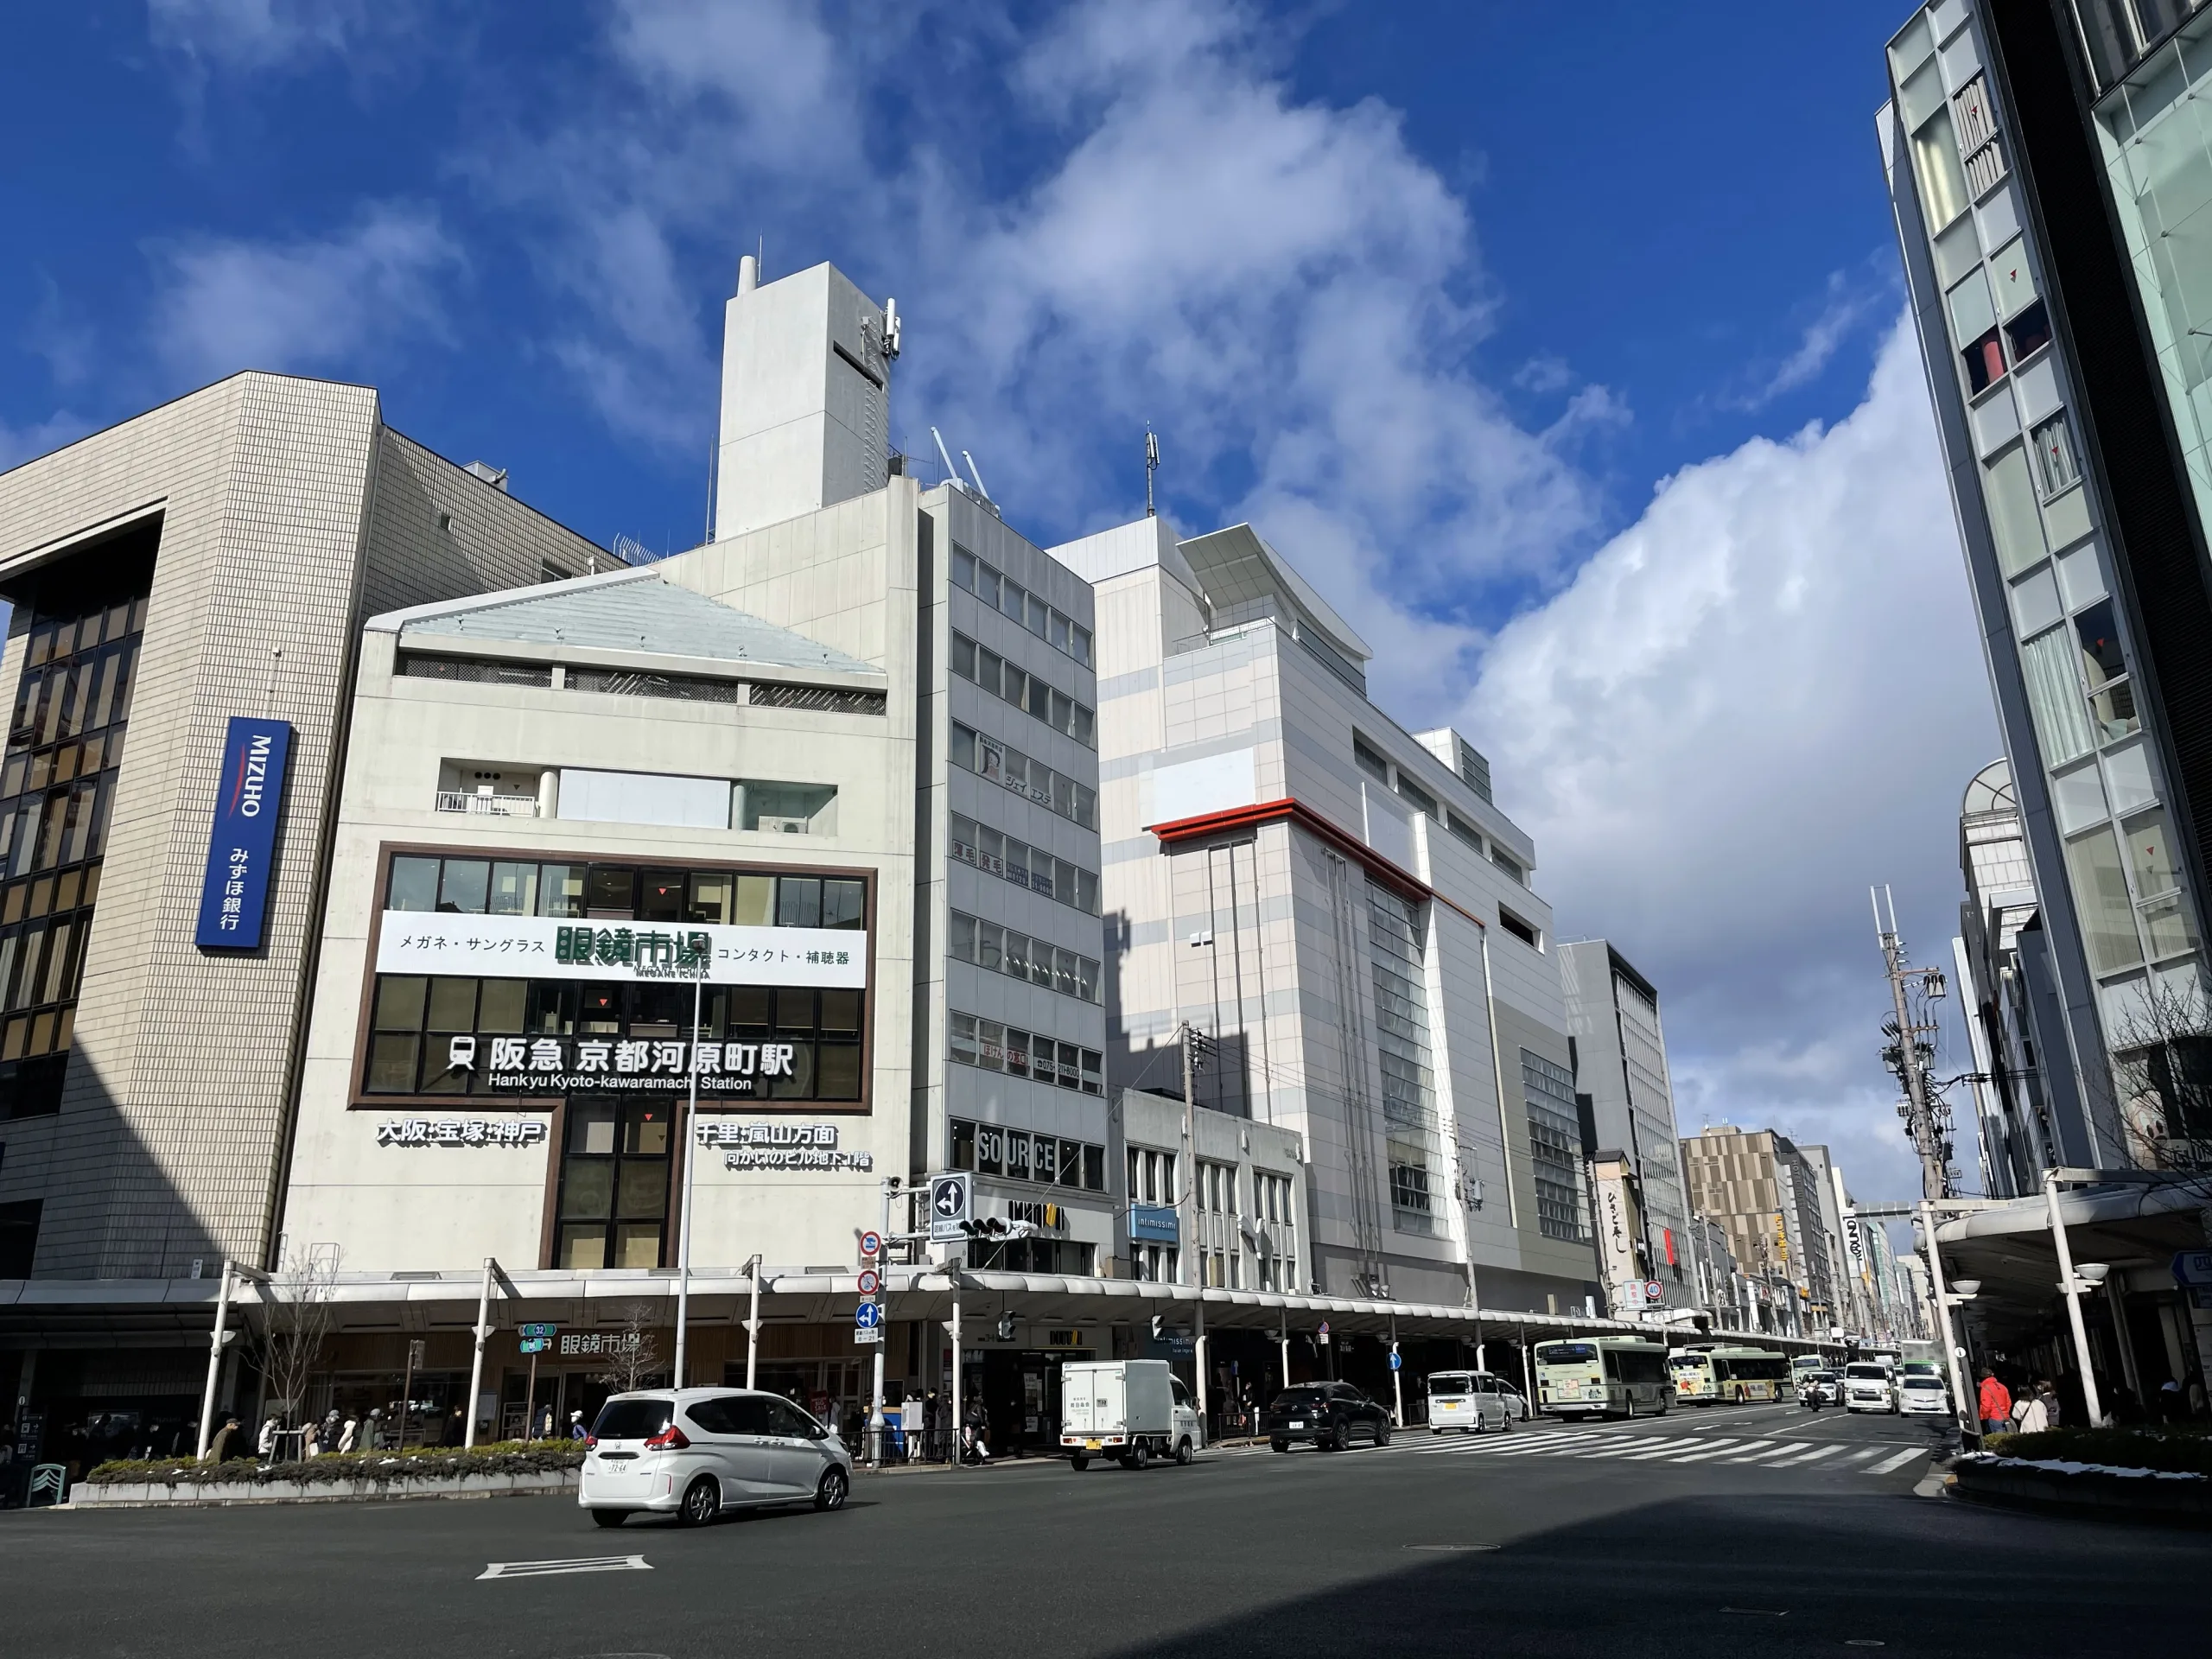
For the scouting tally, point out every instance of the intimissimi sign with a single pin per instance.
(249, 800)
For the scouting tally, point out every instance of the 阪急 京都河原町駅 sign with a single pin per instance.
(241, 846)
(544, 947)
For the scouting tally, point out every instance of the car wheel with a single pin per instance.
(702, 1501)
(1182, 1454)
(1631, 1409)
(609, 1517)
(1382, 1431)
(1279, 1445)
(1139, 1457)
(1081, 1463)
(830, 1492)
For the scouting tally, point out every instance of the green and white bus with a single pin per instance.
(1603, 1377)
(1721, 1374)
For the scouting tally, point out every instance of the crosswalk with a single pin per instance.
(1611, 1445)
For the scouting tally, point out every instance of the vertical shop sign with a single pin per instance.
(234, 892)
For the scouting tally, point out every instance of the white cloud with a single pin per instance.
(254, 34)
(1764, 695)
(232, 304)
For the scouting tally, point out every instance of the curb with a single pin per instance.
(2126, 1500)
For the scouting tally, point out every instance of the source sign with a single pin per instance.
(871, 1282)
(869, 1315)
(241, 846)
(544, 947)
(1654, 1291)
(871, 1243)
(1153, 1223)
(533, 1332)
(1396, 1361)
(952, 1201)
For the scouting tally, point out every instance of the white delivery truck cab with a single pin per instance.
(1133, 1410)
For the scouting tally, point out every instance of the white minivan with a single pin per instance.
(1470, 1401)
(694, 1452)
(1866, 1387)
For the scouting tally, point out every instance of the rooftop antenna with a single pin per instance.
(1151, 466)
(891, 329)
(952, 472)
(976, 475)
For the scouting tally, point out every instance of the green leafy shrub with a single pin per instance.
(2171, 1451)
(386, 1468)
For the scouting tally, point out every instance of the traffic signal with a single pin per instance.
(1159, 1322)
(1006, 1327)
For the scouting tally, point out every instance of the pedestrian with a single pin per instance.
(975, 1432)
(2169, 1403)
(266, 1442)
(1996, 1404)
(220, 1448)
(347, 1434)
(2030, 1414)
(932, 1425)
(576, 1429)
(2192, 1394)
(2047, 1392)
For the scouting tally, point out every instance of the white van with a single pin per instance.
(695, 1452)
(1470, 1401)
(1132, 1410)
(1867, 1387)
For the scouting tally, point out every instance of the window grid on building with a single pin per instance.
(1554, 1147)
(1403, 1053)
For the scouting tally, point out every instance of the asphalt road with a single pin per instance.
(1783, 1532)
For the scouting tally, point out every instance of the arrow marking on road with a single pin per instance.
(547, 1569)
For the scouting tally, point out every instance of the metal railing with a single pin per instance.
(494, 806)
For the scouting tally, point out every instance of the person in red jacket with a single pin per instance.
(1996, 1405)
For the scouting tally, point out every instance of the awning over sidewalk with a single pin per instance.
(2136, 1230)
(47, 1311)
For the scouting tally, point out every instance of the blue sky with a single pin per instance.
(1555, 343)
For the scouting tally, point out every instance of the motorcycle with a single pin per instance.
(1812, 1397)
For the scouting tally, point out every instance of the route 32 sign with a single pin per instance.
(952, 1201)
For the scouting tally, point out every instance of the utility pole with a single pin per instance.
(1927, 1119)
(1151, 466)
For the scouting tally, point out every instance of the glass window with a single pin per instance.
(960, 1030)
(2055, 699)
(662, 895)
(990, 946)
(963, 656)
(502, 1005)
(2150, 856)
(2055, 467)
(399, 1001)
(1079, 644)
(2099, 632)
(1973, 313)
(1094, 1169)
(1935, 164)
(799, 901)
(990, 1044)
(1017, 1053)
(963, 569)
(1369, 762)
(2029, 332)
(465, 887)
(414, 884)
(514, 889)
(710, 898)
(963, 1144)
(391, 1064)
(837, 1072)
(1087, 979)
(2014, 524)
(962, 940)
(843, 904)
(1017, 1156)
(2101, 900)
(560, 889)
(990, 1149)
(755, 904)
(453, 1004)
(964, 748)
(611, 892)
(841, 1011)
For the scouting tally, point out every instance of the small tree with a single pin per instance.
(299, 1322)
(635, 1359)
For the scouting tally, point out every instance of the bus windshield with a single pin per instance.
(1689, 1361)
(1565, 1353)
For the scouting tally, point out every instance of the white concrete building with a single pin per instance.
(1337, 907)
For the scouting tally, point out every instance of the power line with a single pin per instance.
(1909, 1052)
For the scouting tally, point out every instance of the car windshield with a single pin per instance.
(1821, 1377)
(1866, 1373)
(1929, 1383)
(1294, 1399)
(1451, 1383)
(633, 1420)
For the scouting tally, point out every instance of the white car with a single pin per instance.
(1470, 1402)
(1919, 1394)
(1866, 1387)
(694, 1452)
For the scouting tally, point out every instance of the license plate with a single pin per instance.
(1090, 1446)
(1298, 1422)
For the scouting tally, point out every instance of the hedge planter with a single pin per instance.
(480, 1472)
(2076, 1489)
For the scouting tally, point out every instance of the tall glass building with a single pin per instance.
(2050, 169)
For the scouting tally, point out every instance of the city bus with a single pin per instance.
(1728, 1375)
(1803, 1366)
(1603, 1377)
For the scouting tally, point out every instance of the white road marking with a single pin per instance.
(1711, 1451)
(1679, 1442)
(1860, 1457)
(547, 1569)
(1754, 1451)
(1800, 1459)
(1887, 1464)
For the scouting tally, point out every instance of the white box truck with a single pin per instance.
(1133, 1410)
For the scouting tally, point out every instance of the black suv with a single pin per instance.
(1331, 1414)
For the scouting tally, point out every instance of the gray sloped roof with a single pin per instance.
(624, 611)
